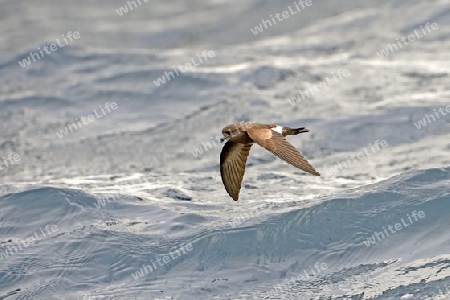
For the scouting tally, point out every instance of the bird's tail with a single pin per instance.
(294, 131)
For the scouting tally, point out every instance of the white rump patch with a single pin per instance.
(278, 129)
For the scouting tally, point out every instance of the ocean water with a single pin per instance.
(109, 172)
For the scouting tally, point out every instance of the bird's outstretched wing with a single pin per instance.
(232, 166)
(278, 145)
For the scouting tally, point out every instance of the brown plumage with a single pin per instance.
(240, 138)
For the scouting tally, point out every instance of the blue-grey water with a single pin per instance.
(109, 177)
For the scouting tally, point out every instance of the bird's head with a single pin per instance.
(229, 132)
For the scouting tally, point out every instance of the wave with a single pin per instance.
(249, 253)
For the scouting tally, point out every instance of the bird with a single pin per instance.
(239, 139)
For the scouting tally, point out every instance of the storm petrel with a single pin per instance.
(240, 138)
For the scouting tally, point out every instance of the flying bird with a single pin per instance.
(240, 138)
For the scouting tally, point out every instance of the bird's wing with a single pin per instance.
(232, 166)
(278, 145)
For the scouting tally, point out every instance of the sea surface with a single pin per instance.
(109, 179)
